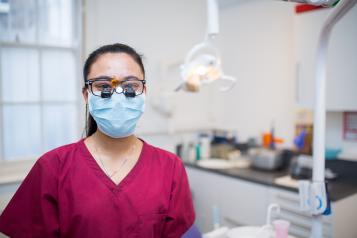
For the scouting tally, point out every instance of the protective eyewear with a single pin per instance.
(105, 86)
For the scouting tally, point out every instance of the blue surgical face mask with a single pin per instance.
(117, 116)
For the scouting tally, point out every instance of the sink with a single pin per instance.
(223, 164)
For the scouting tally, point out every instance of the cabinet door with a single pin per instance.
(344, 217)
(300, 222)
(239, 202)
(341, 65)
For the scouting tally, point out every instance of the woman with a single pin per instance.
(110, 184)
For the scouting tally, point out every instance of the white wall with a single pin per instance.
(255, 41)
(164, 31)
(334, 134)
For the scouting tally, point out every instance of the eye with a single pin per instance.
(100, 85)
(131, 84)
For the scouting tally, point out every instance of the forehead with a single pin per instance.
(117, 65)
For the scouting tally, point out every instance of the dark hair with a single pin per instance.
(91, 125)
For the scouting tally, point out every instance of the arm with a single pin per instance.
(32, 212)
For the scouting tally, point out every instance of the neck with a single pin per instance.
(114, 145)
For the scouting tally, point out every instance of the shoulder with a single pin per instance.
(59, 155)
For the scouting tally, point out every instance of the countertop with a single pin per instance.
(339, 188)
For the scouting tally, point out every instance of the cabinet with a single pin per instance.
(245, 203)
(341, 223)
(300, 222)
(341, 85)
(239, 202)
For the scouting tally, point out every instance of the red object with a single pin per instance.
(67, 194)
(301, 8)
(350, 125)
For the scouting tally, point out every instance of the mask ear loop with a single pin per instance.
(85, 131)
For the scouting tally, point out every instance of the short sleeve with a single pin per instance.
(181, 213)
(32, 211)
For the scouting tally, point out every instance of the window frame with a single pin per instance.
(76, 48)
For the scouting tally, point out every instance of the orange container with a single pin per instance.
(267, 140)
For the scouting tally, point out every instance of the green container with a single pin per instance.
(198, 151)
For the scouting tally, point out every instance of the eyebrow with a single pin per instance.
(110, 77)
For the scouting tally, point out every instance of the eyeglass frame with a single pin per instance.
(89, 83)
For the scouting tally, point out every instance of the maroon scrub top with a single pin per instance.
(67, 194)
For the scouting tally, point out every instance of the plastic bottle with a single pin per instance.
(191, 152)
(198, 151)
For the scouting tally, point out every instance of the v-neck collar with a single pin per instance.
(103, 176)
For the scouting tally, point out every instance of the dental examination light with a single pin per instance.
(324, 3)
(202, 64)
(313, 196)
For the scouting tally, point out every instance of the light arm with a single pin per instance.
(326, 3)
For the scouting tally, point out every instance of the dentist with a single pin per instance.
(111, 183)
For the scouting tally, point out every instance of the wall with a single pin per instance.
(163, 31)
(255, 41)
(334, 134)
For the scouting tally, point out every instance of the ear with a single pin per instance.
(85, 94)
